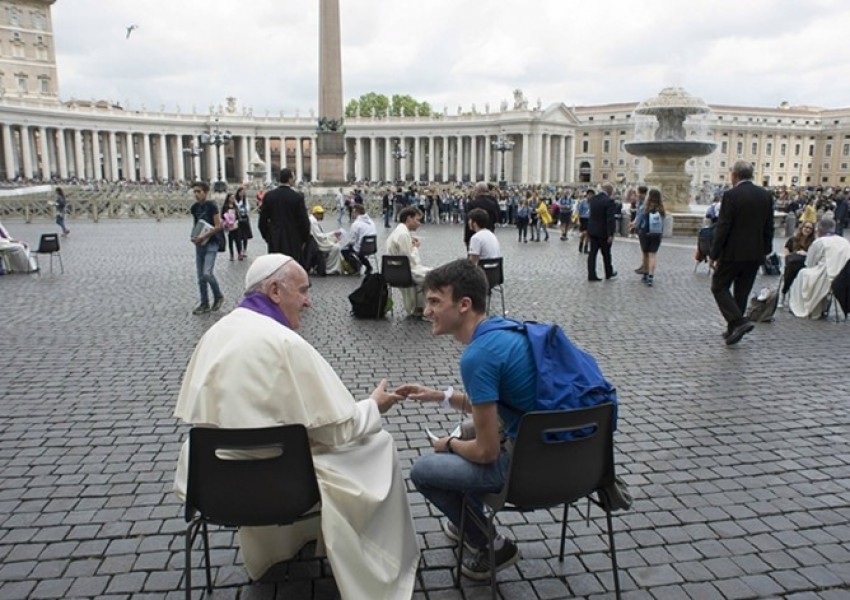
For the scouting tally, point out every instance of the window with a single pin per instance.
(781, 178)
(768, 148)
(811, 149)
(755, 148)
(45, 85)
(14, 17)
(844, 166)
(740, 148)
(606, 162)
(845, 150)
(622, 145)
(724, 147)
(796, 149)
(827, 150)
(783, 149)
(722, 164)
(621, 162)
(826, 166)
(585, 146)
(767, 165)
(22, 83)
(606, 146)
(781, 165)
(38, 21)
(604, 175)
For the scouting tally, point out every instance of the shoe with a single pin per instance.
(201, 309)
(781, 303)
(640, 271)
(478, 567)
(217, 303)
(612, 275)
(594, 279)
(644, 278)
(738, 332)
(232, 259)
(563, 238)
(649, 280)
(451, 531)
(580, 248)
(587, 250)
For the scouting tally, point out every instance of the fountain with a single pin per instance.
(670, 150)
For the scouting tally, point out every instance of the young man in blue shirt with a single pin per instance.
(499, 376)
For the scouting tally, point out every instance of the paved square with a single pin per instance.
(738, 457)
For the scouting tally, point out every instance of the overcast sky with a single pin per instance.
(455, 52)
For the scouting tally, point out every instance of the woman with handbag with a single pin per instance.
(228, 219)
(243, 219)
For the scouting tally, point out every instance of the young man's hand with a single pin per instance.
(420, 393)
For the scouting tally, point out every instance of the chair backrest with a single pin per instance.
(493, 270)
(704, 239)
(841, 288)
(369, 245)
(546, 471)
(48, 243)
(250, 477)
(396, 271)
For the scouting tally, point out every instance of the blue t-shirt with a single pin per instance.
(207, 210)
(499, 366)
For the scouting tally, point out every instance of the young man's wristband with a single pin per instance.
(447, 397)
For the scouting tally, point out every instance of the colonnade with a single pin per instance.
(45, 152)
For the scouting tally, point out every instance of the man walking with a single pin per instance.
(601, 224)
(742, 238)
(208, 236)
(283, 219)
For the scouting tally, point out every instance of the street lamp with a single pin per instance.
(399, 154)
(217, 138)
(192, 152)
(502, 145)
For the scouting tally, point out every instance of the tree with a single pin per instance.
(379, 105)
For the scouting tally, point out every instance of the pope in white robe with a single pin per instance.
(826, 257)
(402, 243)
(328, 243)
(251, 369)
(16, 253)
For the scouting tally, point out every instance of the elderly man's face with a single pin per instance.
(293, 296)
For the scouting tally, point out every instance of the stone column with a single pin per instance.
(488, 158)
(388, 159)
(61, 153)
(26, 152)
(79, 159)
(45, 153)
(432, 158)
(373, 159)
(417, 158)
(358, 159)
(267, 150)
(113, 156)
(95, 152)
(299, 159)
(473, 158)
(163, 157)
(129, 153)
(568, 159)
(546, 174)
(445, 145)
(8, 152)
(314, 159)
(245, 160)
(146, 166)
(526, 153)
(459, 158)
(181, 163)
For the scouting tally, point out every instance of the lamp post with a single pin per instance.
(217, 138)
(192, 152)
(502, 145)
(399, 154)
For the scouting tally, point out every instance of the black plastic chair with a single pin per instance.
(227, 488)
(493, 269)
(840, 289)
(49, 244)
(396, 272)
(705, 237)
(546, 472)
(369, 248)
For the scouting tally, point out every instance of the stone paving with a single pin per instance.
(737, 457)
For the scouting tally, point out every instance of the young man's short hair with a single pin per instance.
(286, 174)
(359, 209)
(408, 212)
(201, 184)
(480, 217)
(465, 279)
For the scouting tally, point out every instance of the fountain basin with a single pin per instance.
(683, 148)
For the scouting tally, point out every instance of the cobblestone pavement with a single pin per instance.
(738, 457)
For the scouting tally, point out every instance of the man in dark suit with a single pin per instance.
(283, 219)
(482, 197)
(600, 228)
(742, 238)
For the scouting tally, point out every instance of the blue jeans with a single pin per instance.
(60, 220)
(541, 226)
(205, 263)
(443, 479)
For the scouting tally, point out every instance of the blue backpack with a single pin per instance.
(567, 377)
(655, 223)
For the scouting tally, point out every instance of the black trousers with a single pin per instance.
(597, 244)
(739, 276)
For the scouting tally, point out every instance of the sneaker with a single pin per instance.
(217, 303)
(478, 567)
(649, 279)
(451, 531)
(201, 309)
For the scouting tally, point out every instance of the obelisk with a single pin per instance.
(330, 135)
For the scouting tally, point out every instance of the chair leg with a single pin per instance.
(51, 264)
(207, 556)
(61, 266)
(37, 266)
(502, 294)
(564, 530)
(613, 553)
(491, 549)
(187, 570)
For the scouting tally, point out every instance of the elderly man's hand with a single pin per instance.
(383, 398)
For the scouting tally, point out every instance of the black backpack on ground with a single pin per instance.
(371, 299)
(772, 265)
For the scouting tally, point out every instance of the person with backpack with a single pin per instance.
(650, 228)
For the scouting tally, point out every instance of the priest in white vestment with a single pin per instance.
(251, 369)
(328, 243)
(401, 243)
(826, 257)
(16, 253)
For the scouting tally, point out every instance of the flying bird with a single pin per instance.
(130, 30)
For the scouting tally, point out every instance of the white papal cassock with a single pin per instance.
(248, 370)
(826, 257)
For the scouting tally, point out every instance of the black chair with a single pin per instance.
(369, 248)
(840, 289)
(546, 472)
(278, 489)
(493, 269)
(705, 237)
(396, 272)
(49, 244)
